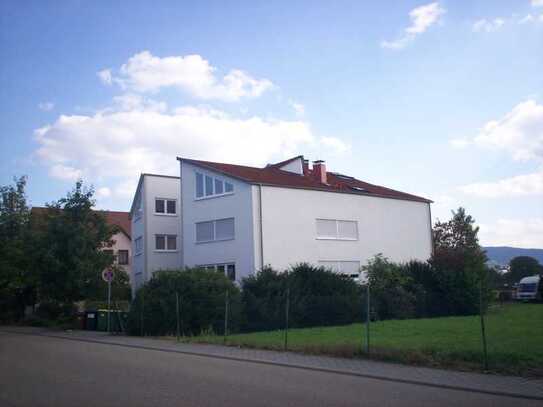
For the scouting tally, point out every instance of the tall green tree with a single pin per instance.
(459, 262)
(17, 284)
(70, 238)
(522, 266)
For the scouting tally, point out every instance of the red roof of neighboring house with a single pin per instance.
(120, 219)
(116, 218)
(273, 176)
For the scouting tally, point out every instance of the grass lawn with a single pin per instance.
(514, 338)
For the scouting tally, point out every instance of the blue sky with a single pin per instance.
(442, 99)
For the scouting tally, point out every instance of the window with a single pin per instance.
(166, 243)
(208, 186)
(122, 257)
(215, 230)
(229, 269)
(199, 185)
(224, 229)
(109, 253)
(138, 243)
(165, 206)
(170, 206)
(337, 229)
(347, 267)
(138, 211)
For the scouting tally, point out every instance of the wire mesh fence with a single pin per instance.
(380, 324)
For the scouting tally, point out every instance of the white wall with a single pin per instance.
(167, 188)
(138, 260)
(238, 205)
(401, 230)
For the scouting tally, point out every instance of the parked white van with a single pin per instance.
(528, 288)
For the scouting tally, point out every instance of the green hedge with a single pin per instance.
(317, 297)
(202, 303)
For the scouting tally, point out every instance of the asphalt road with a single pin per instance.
(45, 371)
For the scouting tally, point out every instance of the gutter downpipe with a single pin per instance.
(261, 228)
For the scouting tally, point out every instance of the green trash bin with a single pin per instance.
(117, 322)
(91, 320)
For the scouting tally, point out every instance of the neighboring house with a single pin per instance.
(238, 219)
(122, 247)
(122, 244)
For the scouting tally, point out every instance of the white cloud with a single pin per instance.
(460, 143)
(105, 76)
(103, 192)
(130, 101)
(111, 148)
(519, 132)
(299, 109)
(526, 19)
(46, 106)
(488, 25)
(518, 186)
(334, 144)
(527, 233)
(537, 3)
(145, 72)
(65, 172)
(422, 18)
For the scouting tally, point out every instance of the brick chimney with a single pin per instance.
(305, 167)
(319, 171)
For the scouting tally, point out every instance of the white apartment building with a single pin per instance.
(237, 219)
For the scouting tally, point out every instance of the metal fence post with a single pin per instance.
(287, 305)
(368, 317)
(177, 315)
(225, 315)
(483, 333)
(141, 315)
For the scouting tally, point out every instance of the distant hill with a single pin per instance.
(502, 255)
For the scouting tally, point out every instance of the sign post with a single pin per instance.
(107, 275)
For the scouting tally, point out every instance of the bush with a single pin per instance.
(392, 290)
(202, 303)
(317, 297)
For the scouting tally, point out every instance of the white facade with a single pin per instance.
(148, 224)
(227, 223)
(236, 205)
(399, 229)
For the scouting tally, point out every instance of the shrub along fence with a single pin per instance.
(204, 305)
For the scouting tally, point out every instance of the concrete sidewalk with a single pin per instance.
(465, 381)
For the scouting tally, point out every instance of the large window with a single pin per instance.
(122, 257)
(348, 267)
(228, 269)
(337, 229)
(208, 186)
(165, 206)
(214, 230)
(138, 243)
(166, 243)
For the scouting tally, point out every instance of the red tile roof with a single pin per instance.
(119, 219)
(271, 175)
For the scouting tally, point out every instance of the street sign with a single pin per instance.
(107, 276)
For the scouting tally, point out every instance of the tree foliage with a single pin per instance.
(522, 266)
(459, 263)
(69, 239)
(202, 296)
(317, 297)
(17, 282)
